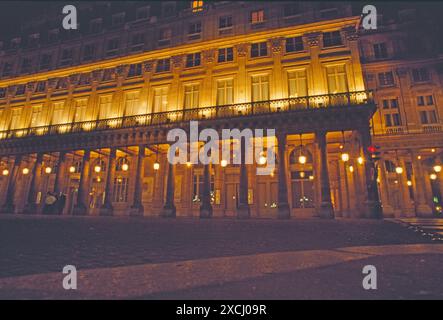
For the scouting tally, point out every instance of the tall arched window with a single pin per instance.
(302, 179)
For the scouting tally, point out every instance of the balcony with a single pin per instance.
(250, 109)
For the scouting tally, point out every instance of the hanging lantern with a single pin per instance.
(437, 168)
(351, 169)
(433, 176)
(262, 160)
(25, 171)
(48, 170)
(360, 160)
(5, 172)
(399, 170)
(125, 167)
(409, 183)
(188, 164)
(156, 165)
(302, 174)
(224, 163)
(345, 156)
(71, 169)
(97, 168)
(302, 159)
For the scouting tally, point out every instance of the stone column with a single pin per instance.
(107, 209)
(374, 209)
(137, 208)
(9, 206)
(407, 207)
(326, 208)
(206, 207)
(422, 207)
(388, 210)
(243, 210)
(169, 207)
(31, 205)
(81, 208)
(60, 175)
(283, 203)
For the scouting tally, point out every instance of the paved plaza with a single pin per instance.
(148, 258)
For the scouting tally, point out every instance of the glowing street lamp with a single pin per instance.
(71, 169)
(433, 176)
(125, 167)
(437, 168)
(360, 160)
(48, 170)
(97, 168)
(25, 171)
(409, 183)
(5, 172)
(345, 157)
(262, 160)
(223, 163)
(156, 165)
(302, 159)
(351, 168)
(399, 170)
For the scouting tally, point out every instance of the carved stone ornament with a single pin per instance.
(148, 66)
(276, 45)
(313, 38)
(177, 61)
(242, 49)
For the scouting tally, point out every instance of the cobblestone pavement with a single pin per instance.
(38, 244)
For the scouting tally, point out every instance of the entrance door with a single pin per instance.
(267, 199)
(231, 199)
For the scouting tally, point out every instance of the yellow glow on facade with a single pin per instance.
(360, 160)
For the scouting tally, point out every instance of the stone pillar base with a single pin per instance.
(30, 208)
(206, 212)
(137, 211)
(106, 211)
(243, 211)
(423, 210)
(283, 211)
(80, 210)
(7, 208)
(326, 211)
(374, 210)
(168, 212)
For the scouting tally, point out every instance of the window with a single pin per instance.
(225, 55)
(142, 13)
(259, 49)
(80, 107)
(331, 39)
(118, 19)
(298, 85)
(192, 60)
(337, 80)
(135, 70)
(112, 48)
(291, 10)
(386, 79)
(45, 61)
(95, 26)
(390, 103)
(105, 107)
(36, 113)
(428, 117)
(67, 57)
(225, 22)
(15, 118)
(429, 100)
(26, 65)
(160, 103)
(7, 69)
(41, 86)
(257, 16)
(392, 120)
(88, 52)
(294, 44)
(380, 50)
(2, 92)
(302, 179)
(137, 42)
(198, 184)
(420, 75)
(194, 31)
(197, 6)
(85, 79)
(165, 36)
(225, 92)
(163, 65)
(260, 88)
(120, 189)
(20, 89)
(58, 113)
(131, 104)
(191, 96)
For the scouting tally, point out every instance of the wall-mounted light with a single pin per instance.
(399, 170)
(409, 183)
(301, 158)
(156, 165)
(97, 168)
(345, 156)
(351, 168)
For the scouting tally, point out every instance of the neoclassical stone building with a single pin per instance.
(86, 112)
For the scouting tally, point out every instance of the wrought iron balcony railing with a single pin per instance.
(201, 114)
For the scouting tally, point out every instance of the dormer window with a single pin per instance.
(257, 16)
(142, 13)
(197, 6)
(45, 61)
(137, 42)
(195, 30)
(41, 86)
(165, 36)
(112, 48)
(26, 65)
(7, 69)
(67, 56)
(118, 19)
(135, 70)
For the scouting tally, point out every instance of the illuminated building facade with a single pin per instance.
(86, 113)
